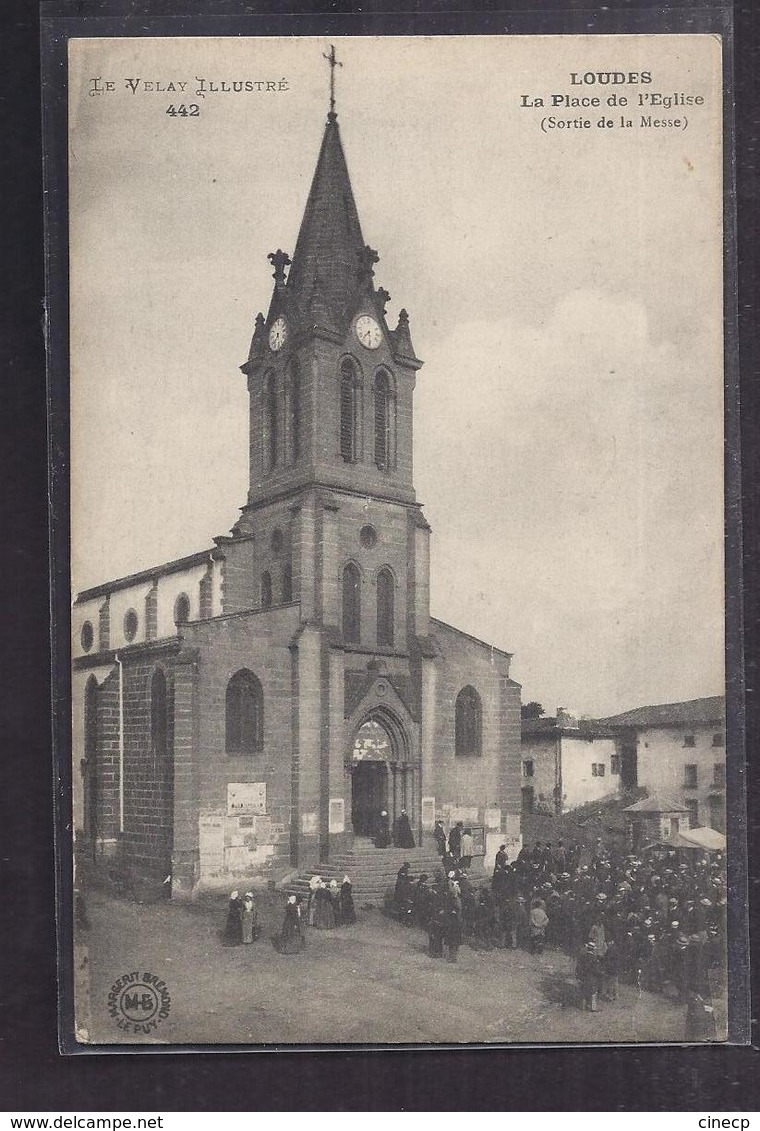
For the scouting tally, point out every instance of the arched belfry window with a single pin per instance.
(350, 411)
(293, 411)
(385, 612)
(385, 421)
(266, 590)
(270, 421)
(244, 714)
(469, 722)
(352, 604)
(159, 714)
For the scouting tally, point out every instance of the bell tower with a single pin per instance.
(331, 388)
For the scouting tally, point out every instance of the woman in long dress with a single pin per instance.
(248, 919)
(233, 934)
(347, 909)
(324, 916)
(311, 907)
(291, 938)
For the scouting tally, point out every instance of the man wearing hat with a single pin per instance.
(588, 974)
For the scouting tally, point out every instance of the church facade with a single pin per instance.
(254, 707)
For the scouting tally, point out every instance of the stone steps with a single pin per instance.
(372, 870)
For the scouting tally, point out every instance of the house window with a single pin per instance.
(718, 740)
(266, 590)
(693, 806)
(719, 773)
(615, 764)
(352, 583)
(349, 411)
(384, 421)
(244, 714)
(182, 609)
(717, 812)
(528, 768)
(690, 775)
(689, 740)
(385, 608)
(468, 715)
(602, 769)
(159, 715)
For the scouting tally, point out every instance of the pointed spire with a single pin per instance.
(330, 241)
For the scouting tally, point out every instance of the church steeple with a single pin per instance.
(330, 242)
(330, 382)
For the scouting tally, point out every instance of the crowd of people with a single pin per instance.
(657, 921)
(328, 905)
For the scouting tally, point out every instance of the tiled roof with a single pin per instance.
(692, 712)
(582, 728)
(656, 803)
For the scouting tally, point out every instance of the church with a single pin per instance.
(253, 708)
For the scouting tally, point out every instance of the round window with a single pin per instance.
(368, 537)
(277, 541)
(88, 636)
(130, 624)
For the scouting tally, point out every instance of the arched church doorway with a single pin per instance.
(383, 775)
(372, 752)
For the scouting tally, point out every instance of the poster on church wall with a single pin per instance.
(282, 250)
(245, 798)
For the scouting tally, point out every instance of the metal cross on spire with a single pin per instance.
(333, 64)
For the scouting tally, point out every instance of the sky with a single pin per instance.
(564, 291)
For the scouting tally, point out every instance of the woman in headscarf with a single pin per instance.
(311, 907)
(347, 910)
(233, 934)
(334, 893)
(291, 938)
(324, 916)
(382, 831)
(248, 919)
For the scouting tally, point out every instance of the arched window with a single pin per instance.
(352, 604)
(293, 411)
(270, 421)
(244, 714)
(159, 715)
(385, 420)
(385, 598)
(469, 722)
(182, 609)
(266, 590)
(350, 413)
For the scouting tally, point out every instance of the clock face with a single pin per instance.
(368, 332)
(278, 334)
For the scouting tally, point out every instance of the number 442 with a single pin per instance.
(182, 111)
